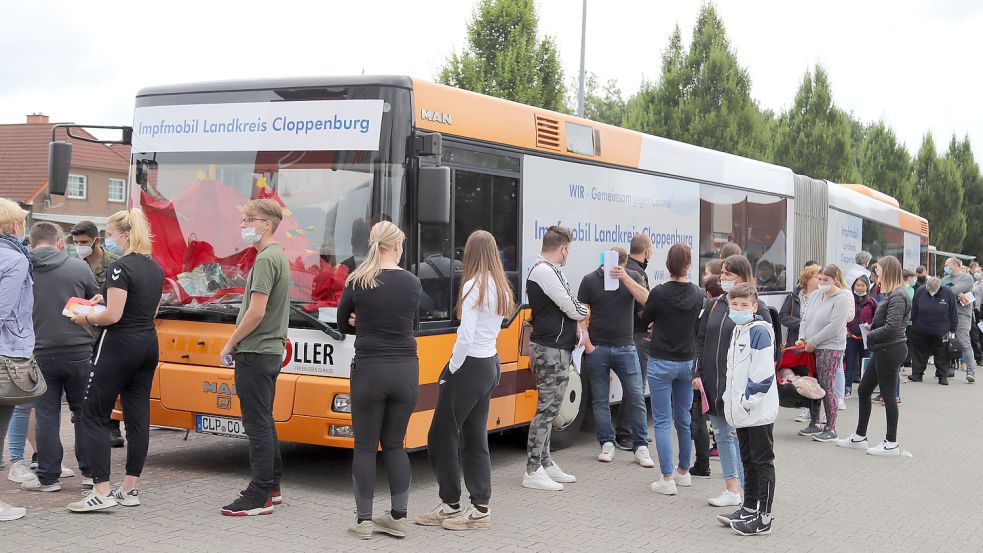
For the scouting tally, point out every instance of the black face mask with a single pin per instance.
(644, 264)
(922, 279)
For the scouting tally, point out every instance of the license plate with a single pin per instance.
(219, 426)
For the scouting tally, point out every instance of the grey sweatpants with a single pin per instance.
(551, 367)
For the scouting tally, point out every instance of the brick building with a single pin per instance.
(96, 185)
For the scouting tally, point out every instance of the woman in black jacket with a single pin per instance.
(797, 302)
(712, 341)
(886, 341)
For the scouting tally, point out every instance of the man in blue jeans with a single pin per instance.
(62, 350)
(611, 347)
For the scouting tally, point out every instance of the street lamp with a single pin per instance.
(583, 74)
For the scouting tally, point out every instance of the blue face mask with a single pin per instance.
(112, 247)
(947, 270)
(977, 276)
(741, 317)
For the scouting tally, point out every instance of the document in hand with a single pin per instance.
(80, 306)
(967, 299)
(864, 331)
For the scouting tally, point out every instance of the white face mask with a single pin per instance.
(83, 251)
(823, 288)
(250, 236)
(727, 285)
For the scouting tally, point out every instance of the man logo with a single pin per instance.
(224, 402)
(437, 117)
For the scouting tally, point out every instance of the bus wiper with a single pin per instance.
(321, 325)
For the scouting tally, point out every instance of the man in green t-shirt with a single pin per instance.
(257, 343)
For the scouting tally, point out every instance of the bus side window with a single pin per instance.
(488, 202)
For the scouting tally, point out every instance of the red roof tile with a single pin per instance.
(24, 159)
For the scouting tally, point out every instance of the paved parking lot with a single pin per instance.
(828, 498)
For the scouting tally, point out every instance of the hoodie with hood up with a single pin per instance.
(674, 309)
(57, 278)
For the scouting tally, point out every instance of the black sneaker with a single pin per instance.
(943, 381)
(624, 443)
(952, 373)
(34, 462)
(810, 430)
(913, 378)
(699, 471)
(753, 527)
(741, 514)
(115, 436)
(250, 502)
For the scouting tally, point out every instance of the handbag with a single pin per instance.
(21, 381)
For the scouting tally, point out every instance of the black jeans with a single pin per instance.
(255, 377)
(68, 373)
(384, 394)
(758, 457)
(883, 373)
(123, 367)
(923, 346)
(976, 338)
(853, 357)
(459, 431)
(701, 436)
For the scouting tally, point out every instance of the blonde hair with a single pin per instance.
(807, 274)
(383, 236)
(890, 278)
(267, 209)
(10, 213)
(134, 222)
(834, 272)
(482, 263)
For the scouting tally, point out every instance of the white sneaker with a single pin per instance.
(9, 512)
(804, 416)
(539, 480)
(643, 458)
(607, 453)
(665, 487)
(35, 485)
(841, 404)
(437, 515)
(684, 480)
(93, 501)
(885, 449)
(853, 442)
(67, 472)
(726, 499)
(128, 499)
(20, 472)
(557, 475)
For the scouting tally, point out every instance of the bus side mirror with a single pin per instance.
(59, 162)
(434, 195)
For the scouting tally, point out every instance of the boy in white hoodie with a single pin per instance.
(751, 406)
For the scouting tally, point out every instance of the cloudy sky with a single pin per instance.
(914, 64)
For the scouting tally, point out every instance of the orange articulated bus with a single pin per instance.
(341, 153)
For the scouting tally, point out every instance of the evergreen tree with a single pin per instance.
(940, 197)
(603, 103)
(961, 154)
(703, 95)
(886, 166)
(504, 56)
(814, 137)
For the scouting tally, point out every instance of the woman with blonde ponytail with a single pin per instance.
(379, 305)
(125, 360)
(459, 428)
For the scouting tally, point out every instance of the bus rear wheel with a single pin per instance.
(573, 411)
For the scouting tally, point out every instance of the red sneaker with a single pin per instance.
(275, 496)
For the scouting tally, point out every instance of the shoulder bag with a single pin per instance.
(21, 381)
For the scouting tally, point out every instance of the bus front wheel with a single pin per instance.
(573, 411)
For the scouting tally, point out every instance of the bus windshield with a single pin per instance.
(330, 200)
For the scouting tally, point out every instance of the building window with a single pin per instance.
(117, 190)
(76, 187)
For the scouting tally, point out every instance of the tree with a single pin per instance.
(940, 197)
(703, 95)
(504, 57)
(814, 137)
(603, 103)
(885, 165)
(961, 154)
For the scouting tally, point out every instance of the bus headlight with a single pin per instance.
(342, 403)
(341, 431)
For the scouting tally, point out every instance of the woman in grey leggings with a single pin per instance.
(379, 305)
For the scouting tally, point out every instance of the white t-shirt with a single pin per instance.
(480, 325)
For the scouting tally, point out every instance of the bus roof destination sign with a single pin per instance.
(259, 126)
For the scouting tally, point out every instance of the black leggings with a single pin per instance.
(883, 373)
(384, 393)
(123, 366)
